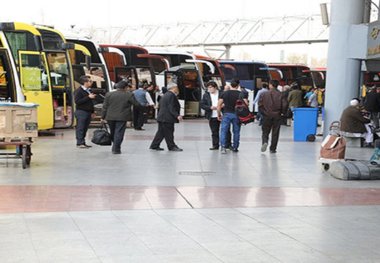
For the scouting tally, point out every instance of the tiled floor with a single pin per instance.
(75, 205)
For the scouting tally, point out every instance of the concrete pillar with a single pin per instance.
(343, 73)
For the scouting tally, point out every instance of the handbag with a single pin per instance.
(102, 136)
(333, 147)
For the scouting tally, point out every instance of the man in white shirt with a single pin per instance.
(209, 104)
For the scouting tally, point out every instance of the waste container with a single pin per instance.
(305, 124)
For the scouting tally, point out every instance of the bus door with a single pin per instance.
(190, 89)
(7, 80)
(62, 88)
(35, 82)
(127, 73)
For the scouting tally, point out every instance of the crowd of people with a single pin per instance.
(124, 104)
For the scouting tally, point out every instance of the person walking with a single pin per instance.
(263, 89)
(117, 111)
(167, 116)
(273, 105)
(228, 99)
(209, 104)
(83, 98)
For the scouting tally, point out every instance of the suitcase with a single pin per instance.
(355, 170)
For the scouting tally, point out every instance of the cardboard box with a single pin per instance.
(18, 120)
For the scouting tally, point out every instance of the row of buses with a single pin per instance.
(40, 65)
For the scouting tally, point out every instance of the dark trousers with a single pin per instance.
(83, 121)
(117, 130)
(271, 124)
(214, 126)
(138, 116)
(165, 130)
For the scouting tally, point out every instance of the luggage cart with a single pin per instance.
(23, 151)
(18, 125)
(334, 129)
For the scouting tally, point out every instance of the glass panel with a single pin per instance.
(229, 71)
(3, 80)
(20, 41)
(33, 73)
(144, 75)
(126, 74)
(59, 70)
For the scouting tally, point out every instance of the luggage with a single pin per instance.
(333, 147)
(102, 136)
(243, 113)
(355, 170)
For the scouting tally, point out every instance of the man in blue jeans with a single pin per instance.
(227, 101)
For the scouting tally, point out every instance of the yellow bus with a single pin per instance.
(42, 61)
(25, 43)
(10, 89)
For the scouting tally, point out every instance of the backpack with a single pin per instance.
(243, 113)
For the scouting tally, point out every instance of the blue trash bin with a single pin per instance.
(305, 123)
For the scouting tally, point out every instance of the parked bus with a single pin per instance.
(292, 73)
(185, 70)
(25, 43)
(93, 65)
(10, 89)
(125, 60)
(60, 75)
(251, 75)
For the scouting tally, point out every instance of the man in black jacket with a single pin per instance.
(84, 109)
(209, 104)
(372, 104)
(167, 116)
(117, 110)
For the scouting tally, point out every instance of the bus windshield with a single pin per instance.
(20, 41)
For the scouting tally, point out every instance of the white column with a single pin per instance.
(343, 73)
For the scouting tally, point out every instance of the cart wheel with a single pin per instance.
(23, 156)
(28, 154)
(310, 138)
(326, 167)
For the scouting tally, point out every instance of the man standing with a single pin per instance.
(117, 110)
(167, 116)
(272, 105)
(228, 99)
(140, 110)
(209, 104)
(84, 109)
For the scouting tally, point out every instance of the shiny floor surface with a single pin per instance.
(88, 205)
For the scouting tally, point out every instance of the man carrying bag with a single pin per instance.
(117, 111)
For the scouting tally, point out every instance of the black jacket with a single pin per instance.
(83, 101)
(169, 108)
(206, 104)
(372, 102)
(117, 106)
